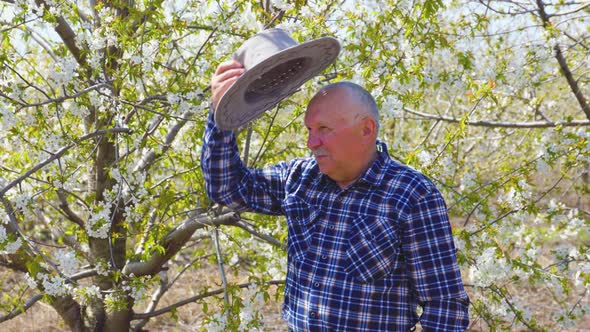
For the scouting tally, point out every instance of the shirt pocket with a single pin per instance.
(301, 218)
(373, 249)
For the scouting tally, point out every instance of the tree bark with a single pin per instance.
(71, 312)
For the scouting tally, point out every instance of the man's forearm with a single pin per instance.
(220, 162)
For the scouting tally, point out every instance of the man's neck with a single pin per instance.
(347, 183)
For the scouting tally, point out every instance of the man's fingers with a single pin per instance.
(220, 89)
(226, 74)
(233, 74)
(227, 65)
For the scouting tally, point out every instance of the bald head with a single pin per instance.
(356, 94)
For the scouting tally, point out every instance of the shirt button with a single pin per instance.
(312, 314)
(331, 227)
(324, 257)
(316, 284)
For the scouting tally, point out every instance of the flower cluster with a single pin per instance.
(252, 302)
(7, 246)
(99, 222)
(136, 287)
(67, 261)
(86, 294)
(489, 269)
(217, 322)
(54, 285)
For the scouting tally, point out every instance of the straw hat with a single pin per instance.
(276, 66)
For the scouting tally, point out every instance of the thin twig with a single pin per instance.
(517, 210)
(220, 264)
(247, 143)
(58, 154)
(196, 298)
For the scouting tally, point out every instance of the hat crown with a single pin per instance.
(262, 46)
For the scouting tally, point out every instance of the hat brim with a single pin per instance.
(239, 105)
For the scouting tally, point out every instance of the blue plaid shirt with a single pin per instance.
(359, 259)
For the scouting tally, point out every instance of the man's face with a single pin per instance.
(335, 135)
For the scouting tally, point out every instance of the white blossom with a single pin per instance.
(542, 167)
(253, 301)
(392, 105)
(282, 4)
(468, 181)
(12, 247)
(217, 323)
(99, 222)
(86, 294)
(30, 281)
(54, 285)
(424, 157)
(489, 269)
(22, 201)
(63, 71)
(103, 268)
(3, 236)
(248, 19)
(554, 206)
(291, 26)
(447, 166)
(7, 118)
(67, 260)
(137, 289)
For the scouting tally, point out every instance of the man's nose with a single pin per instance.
(313, 142)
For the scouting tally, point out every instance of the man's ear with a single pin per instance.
(369, 127)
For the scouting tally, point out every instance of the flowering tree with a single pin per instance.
(102, 107)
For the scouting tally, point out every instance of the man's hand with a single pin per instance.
(225, 75)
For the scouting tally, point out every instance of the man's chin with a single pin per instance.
(324, 169)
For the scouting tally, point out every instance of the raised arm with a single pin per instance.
(228, 181)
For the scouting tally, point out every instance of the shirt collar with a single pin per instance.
(376, 172)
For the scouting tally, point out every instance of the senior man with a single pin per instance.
(369, 239)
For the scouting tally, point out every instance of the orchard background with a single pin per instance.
(104, 221)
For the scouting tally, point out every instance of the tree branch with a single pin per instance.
(220, 265)
(65, 207)
(68, 36)
(250, 229)
(575, 10)
(492, 124)
(66, 97)
(151, 156)
(565, 70)
(196, 298)
(175, 240)
(21, 310)
(58, 154)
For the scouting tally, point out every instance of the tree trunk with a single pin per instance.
(71, 312)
